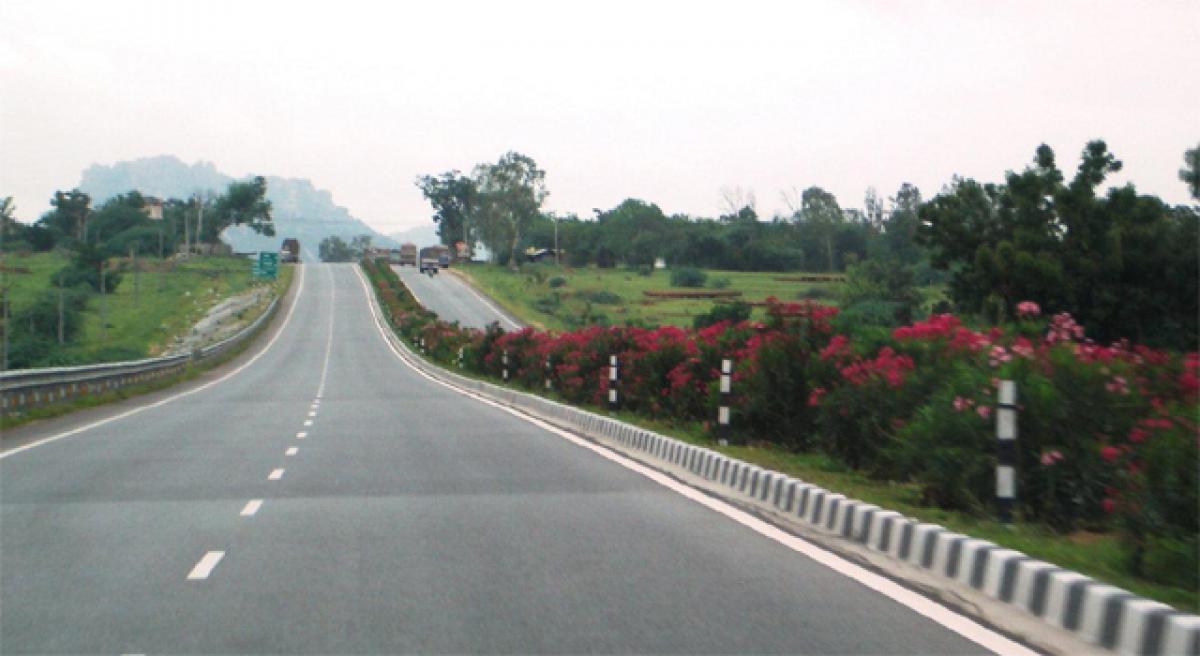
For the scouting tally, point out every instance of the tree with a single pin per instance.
(1190, 173)
(736, 199)
(510, 194)
(243, 203)
(899, 237)
(69, 217)
(821, 216)
(453, 197)
(335, 249)
(1124, 265)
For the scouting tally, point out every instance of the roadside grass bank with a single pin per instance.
(562, 298)
(154, 303)
(14, 418)
(1094, 544)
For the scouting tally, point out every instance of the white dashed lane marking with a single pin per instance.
(275, 475)
(308, 422)
(301, 435)
(313, 413)
(252, 507)
(291, 451)
(205, 566)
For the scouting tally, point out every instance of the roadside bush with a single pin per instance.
(1107, 433)
(686, 276)
(720, 283)
(600, 297)
(556, 281)
(548, 304)
(730, 312)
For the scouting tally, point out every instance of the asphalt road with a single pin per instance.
(454, 300)
(408, 518)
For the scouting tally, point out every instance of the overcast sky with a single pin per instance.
(668, 102)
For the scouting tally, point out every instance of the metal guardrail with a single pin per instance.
(25, 388)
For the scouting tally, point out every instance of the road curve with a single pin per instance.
(327, 499)
(454, 300)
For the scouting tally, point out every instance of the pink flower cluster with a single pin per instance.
(1028, 310)
(887, 365)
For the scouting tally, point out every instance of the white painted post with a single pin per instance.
(613, 398)
(1006, 450)
(726, 389)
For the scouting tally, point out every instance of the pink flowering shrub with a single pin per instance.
(1107, 433)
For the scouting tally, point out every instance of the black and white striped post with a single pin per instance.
(726, 389)
(460, 357)
(1006, 450)
(549, 370)
(504, 361)
(613, 398)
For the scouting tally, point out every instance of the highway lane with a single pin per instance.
(454, 300)
(408, 518)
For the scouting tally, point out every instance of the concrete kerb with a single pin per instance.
(1048, 607)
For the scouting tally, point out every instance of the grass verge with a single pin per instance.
(10, 420)
(592, 294)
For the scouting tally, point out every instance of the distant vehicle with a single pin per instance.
(407, 254)
(444, 261)
(290, 251)
(431, 259)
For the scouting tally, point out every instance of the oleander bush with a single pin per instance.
(1107, 433)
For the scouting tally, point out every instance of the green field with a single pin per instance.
(142, 317)
(529, 296)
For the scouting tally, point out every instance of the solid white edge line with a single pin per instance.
(252, 507)
(205, 566)
(936, 612)
(134, 411)
(275, 475)
(488, 303)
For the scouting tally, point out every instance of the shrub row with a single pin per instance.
(1108, 434)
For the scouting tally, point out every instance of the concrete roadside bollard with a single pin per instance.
(549, 371)
(504, 362)
(614, 400)
(723, 403)
(1006, 450)
(460, 357)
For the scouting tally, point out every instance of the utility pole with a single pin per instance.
(104, 300)
(133, 263)
(200, 223)
(160, 256)
(7, 327)
(61, 336)
(187, 239)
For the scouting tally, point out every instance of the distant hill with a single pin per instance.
(299, 209)
(423, 235)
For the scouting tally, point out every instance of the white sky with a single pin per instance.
(668, 102)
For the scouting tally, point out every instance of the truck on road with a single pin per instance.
(290, 251)
(429, 260)
(408, 254)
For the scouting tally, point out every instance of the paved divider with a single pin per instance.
(27, 388)
(1097, 613)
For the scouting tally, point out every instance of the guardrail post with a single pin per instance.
(1006, 450)
(723, 403)
(504, 361)
(614, 400)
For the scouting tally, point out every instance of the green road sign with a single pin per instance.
(266, 266)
